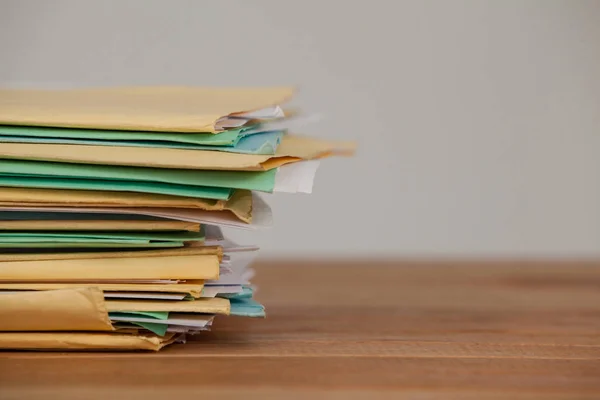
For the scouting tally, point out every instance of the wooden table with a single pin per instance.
(443, 330)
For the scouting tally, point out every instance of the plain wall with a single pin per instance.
(478, 121)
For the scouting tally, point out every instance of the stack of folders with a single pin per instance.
(112, 202)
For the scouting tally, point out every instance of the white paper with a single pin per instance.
(235, 121)
(144, 295)
(293, 123)
(187, 319)
(297, 177)
(248, 274)
(226, 280)
(213, 291)
(225, 270)
(190, 330)
(225, 260)
(213, 232)
(241, 261)
(264, 113)
(262, 215)
(228, 123)
(213, 236)
(231, 247)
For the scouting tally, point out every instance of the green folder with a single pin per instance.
(161, 315)
(91, 177)
(95, 239)
(43, 239)
(202, 192)
(158, 327)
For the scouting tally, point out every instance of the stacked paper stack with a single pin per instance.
(111, 203)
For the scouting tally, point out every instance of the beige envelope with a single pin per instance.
(214, 305)
(160, 108)
(240, 203)
(98, 225)
(81, 309)
(292, 149)
(112, 268)
(190, 286)
(83, 341)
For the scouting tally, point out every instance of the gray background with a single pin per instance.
(478, 121)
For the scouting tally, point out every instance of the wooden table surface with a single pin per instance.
(442, 330)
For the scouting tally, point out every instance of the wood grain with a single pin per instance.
(424, 330)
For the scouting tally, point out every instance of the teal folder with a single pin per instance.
(181, 182)
(244, 140)
(246, 307)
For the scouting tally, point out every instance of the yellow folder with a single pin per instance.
(159, 108)
(240, 203)
(213, 305)
(192, 287)
(112, 268)
(81, 309)
(185, 251)
(73, 319)
(85, 309)
(98, 225)
(292, 149)
(73, 341)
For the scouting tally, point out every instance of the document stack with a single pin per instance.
(112, 202)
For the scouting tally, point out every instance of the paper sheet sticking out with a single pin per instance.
(296, 178)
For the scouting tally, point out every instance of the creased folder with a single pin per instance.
(81, 309)
(85, 309)
(293, 148)
(159, 108)
(240, 204)
(261, 213)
